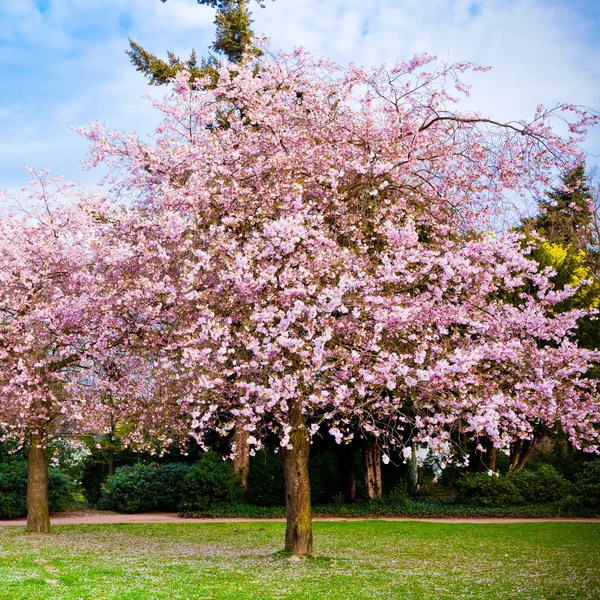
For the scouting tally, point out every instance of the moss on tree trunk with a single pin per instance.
(38, 515)
(298, 533)
(241, 462)
(413, 471)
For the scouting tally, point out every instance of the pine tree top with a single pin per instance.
(233, 39)
(565, 215)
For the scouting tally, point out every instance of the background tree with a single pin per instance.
(569, 248)
(54, 319)
(565, 214)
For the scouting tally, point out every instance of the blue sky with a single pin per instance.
(62, 62)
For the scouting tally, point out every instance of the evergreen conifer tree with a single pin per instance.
(566, 216)
(233, 38)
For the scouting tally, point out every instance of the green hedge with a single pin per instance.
(481, 489)
(209, 484)
(139, 488)
(131, 489)
(199, 487)
(587, 485)
(409, 507)
(539, 486)
(13, 489)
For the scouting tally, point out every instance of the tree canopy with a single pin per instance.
(316, 253)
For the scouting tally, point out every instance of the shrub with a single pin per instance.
(131, 489)
(140, 487)
(587, 485)
(13, 489)
(210, 483)
(537, 486)
(96, 464)
(169, 484)
(93, 475)
(399, 496)
(61, 490)
(481, 489)
(540, 485)
(571, 506)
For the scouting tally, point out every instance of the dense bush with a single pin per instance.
(61, 490)
(169, 485)
(93, 475)
(131, 489)
(587, 485)
(210, 483)
(481, 489)
(13, 489)
(538, 486)
(103, 456)
(140, 487)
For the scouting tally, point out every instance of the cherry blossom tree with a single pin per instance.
(55, 292)
(318, 251)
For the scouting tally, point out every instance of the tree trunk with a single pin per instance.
(372, 469)
(38, 516)
(525, 450)
(298, 532)
(346, 467)
(241, 462)
(492, 458)
(515, 450)
(111, 461)
(413, 471)
(519, 453)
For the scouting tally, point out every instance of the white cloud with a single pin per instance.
(67, 65)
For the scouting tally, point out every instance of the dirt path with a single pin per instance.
(108, 518)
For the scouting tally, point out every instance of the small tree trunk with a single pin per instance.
(111, 461)
(413, 472)
(492, 458)
(298, 532)
(372, 469)
(38, 515)
(525, 450)
(515, 451)
(241, 462)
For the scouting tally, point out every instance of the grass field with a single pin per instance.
(367, 559)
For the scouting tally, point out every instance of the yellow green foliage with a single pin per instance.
(571, 268)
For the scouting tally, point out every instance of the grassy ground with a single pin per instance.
(372, 559)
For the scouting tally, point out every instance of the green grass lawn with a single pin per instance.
(368, 559)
